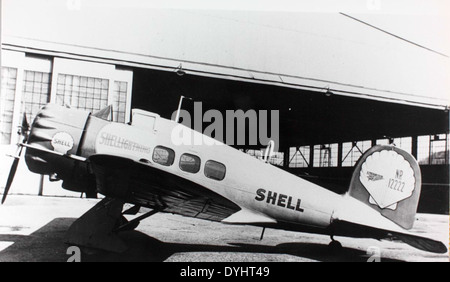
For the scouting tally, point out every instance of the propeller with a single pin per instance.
(23, 132)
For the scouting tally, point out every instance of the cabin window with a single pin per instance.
(163, 156)
(215, 170)
(190, 163)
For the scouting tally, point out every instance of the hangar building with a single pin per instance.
(340, 82)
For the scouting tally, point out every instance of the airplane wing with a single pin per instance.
(246, 216)
(145, 185)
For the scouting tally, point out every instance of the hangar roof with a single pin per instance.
(395, 55)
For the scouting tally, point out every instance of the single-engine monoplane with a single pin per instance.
(144, 164)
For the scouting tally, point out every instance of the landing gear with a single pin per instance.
(132, 224)
(98, 227)
(334, 247)
(94, 228)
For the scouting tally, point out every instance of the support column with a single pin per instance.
(373, 142)
(286, 157)
(41, 185)
(446, 148)
(339, 161)
(311, 156)
(414, 146)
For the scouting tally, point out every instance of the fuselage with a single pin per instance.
(180, 156)
(161, 164)
(247, 181)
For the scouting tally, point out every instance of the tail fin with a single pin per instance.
(388, 179)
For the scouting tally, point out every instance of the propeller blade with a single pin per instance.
(23, 131)
(24, 128)
(12, 172)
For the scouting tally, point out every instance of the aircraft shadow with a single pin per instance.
(47, 244)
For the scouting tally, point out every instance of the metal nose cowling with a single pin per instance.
(55, 132)
(57, 129)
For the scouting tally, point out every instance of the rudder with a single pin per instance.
(389, 180)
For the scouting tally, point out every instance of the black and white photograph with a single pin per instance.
(224, 135)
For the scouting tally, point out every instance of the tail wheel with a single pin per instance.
(335, 247)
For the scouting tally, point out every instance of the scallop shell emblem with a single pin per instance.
(62, 142)
(388, 178)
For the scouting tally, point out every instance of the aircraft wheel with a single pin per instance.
(335, 247)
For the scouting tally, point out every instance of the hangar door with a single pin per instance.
(25, 87)
(92, 86)
(29, 81)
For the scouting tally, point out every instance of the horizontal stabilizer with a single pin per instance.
(421, 243)
(245, 216)
(351, 229)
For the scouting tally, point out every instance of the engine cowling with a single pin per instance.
(58, 129)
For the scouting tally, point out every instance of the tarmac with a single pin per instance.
(33, 228)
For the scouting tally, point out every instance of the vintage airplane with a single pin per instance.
(140, 164)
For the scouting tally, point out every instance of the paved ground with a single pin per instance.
(33, 228)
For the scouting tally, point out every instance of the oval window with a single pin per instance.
(215, 170)
(163, 156)
(190, 163)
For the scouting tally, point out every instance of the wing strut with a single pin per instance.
(132, 224)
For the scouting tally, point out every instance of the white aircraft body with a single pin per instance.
(151, 163)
